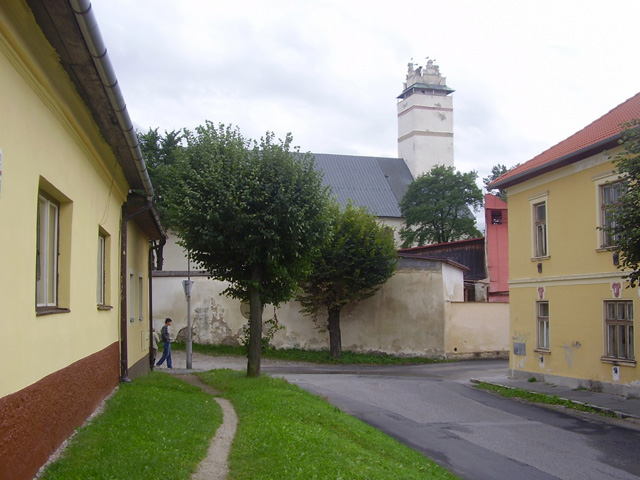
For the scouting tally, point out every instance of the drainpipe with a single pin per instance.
(124, 355)
(158, 249)
(93, 39)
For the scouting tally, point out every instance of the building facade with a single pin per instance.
(74, 276)
(572, 317)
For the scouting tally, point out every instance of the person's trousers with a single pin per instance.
(166, 355)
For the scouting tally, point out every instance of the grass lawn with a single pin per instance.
(541, 398)
(154, 427)
(287, 433)
(313, 356)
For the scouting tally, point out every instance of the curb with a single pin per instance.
(604, 410)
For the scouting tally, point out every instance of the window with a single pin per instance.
(618, 324)
(540, 232)
(140, 297)
(542, 314)
(609, 198)
(102, 270)
(47, 251)
(132, 298)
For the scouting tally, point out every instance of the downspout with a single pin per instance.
(158, 266)
(93, 39)
(124, 355)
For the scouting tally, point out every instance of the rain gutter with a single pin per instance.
(91, 33)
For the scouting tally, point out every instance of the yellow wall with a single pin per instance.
(576, 278)
(49, 140)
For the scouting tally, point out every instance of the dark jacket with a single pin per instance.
(164, 333)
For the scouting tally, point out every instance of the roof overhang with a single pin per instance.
(568, 159)
(434, 89)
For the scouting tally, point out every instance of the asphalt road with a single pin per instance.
(477, 435)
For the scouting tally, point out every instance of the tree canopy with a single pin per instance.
(250, 213)
(161, 154)
(356, 259)
(496, 172)
(437, 207)
(626, 213)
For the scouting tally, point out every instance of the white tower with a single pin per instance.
(425, 120)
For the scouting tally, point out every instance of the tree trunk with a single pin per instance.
(255, 325)
(335, 339)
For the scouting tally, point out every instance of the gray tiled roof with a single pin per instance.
(377, 183)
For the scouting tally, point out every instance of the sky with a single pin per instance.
(526, 75)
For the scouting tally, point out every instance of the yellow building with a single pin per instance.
(571, 317)
(74, 305)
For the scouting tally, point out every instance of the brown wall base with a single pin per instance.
(37, 419)
(140, 368)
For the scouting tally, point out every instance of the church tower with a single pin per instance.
(425, 120)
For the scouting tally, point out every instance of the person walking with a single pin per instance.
(165, 335)
(154, 347)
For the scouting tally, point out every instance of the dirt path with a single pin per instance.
(215, 465)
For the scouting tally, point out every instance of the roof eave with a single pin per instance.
(557, 163)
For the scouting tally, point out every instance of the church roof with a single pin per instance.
(599, 135)
(377, 183)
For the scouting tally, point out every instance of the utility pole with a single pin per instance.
(187, 285)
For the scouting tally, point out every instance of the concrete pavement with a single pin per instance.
(621, 406)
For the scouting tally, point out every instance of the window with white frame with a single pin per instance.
(540, 229)
(542, 319)
(610, 194)
(47, 251)
(618, 324)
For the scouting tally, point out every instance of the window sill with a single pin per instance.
(537, 259)
(105, 307)
(623, 362)
(50, 310)
(606, 249)
(544, 351)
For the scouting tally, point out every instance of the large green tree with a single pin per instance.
(356, 259)
(437, 207)
(250, 213)
(626, 213)
(161, 153)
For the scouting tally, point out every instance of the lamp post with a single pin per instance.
(187, 285)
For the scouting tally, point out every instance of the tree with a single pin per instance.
(161, 154)
(356, 259)
(496, 172)
(251, 216)
(437, 207)
(626, 214)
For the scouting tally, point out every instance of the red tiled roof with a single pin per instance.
(606, 128)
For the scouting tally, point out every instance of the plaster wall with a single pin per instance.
(405, 316)
(475, 328)
(409, 315)
(49, 142)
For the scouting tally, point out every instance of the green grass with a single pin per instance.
(155, 427)
(287, 433)
(541, 398)
(313, 356)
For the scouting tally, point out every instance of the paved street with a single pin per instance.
(436, 410)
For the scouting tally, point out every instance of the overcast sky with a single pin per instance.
(526, 75)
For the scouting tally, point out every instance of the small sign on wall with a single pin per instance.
(519, 348)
